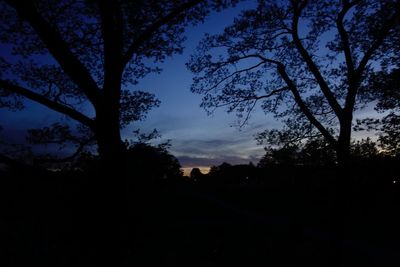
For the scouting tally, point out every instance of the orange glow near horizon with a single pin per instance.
(203, 169)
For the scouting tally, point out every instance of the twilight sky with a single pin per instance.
(197, 140)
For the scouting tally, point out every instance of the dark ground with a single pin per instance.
(275, 218)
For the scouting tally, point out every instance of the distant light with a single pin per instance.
(394, 181)
(203, 169)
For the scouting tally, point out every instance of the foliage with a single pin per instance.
(305, 62)
(313, 152)
(84, 59)
(153, 163)
(287, 155)
(364, 148)
(60, 137)
(316, 152)
(385, 87)
(196, 174)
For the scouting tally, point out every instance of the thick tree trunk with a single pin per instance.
(110, 194)
(111, 148)
(107, 130)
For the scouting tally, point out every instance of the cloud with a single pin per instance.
(239, 149)
(187, 161)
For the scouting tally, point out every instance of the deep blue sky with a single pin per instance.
(197, 140)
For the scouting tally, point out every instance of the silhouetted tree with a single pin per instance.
(390, 137)
(364, 149)
(304, 60)
(317, 152)
(196, 174)
(153, 163)
(287, 155)
(80, 58)
(313, 152)
(213, 170)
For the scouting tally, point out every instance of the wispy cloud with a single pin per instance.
(205, 141)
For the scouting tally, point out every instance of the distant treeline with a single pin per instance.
(146, 164)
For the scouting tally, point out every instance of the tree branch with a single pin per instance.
(147, 33)
(384, 31)
(112, 31)
(255, 97)
(58, 48)
(80, 148)
(248, 114)
(48, 103)
(313, 67)
(345, 38)
(303, 107)
(233, 74)
(273, 92)
(293, 88)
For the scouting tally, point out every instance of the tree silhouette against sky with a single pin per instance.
(307, 62)
(83, 57)
(385, 86)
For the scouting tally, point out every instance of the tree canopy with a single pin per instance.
(82, 59)
(305, 62)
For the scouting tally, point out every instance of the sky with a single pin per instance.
(197, 139)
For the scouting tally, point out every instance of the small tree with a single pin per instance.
(305, 61)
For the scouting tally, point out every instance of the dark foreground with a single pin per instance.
(271, 218)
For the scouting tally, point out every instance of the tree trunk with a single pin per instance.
(110, 196)
(111, 148)
(341, 195)
(343, 145)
